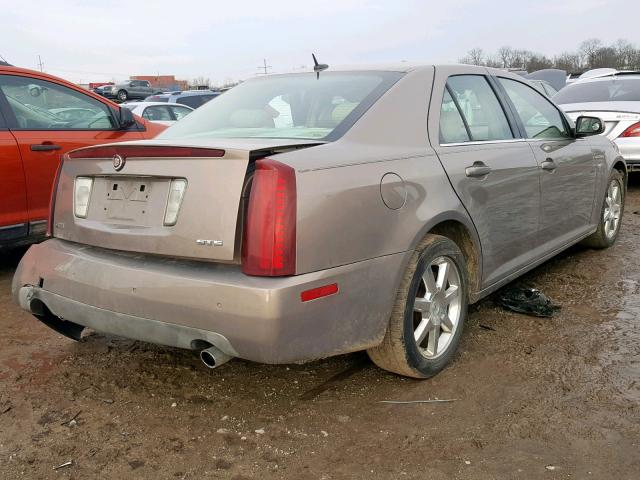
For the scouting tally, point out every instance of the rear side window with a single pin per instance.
(480, 108)
(541, 119)
(179, 112)
(157, 113)
(42, 105)
(452, 129)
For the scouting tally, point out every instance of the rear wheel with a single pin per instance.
(611, 214)
(429, 313)
(123, 95)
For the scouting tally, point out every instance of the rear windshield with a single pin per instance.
(613, 90)
(195, 101)
(287, 106)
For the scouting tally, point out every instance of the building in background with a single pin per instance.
(163, 82)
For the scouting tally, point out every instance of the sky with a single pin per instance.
(90, 41)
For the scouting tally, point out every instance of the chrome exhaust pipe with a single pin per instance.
(213, 357)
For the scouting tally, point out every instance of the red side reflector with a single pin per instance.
(319, 292)
(145, 151)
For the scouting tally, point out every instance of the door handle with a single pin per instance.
(45, 147)
(478, 169)
(549, 165)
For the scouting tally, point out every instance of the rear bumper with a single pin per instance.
(179, 303)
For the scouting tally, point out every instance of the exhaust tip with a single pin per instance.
(213, 357)
(208, 359)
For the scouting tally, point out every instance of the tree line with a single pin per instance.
(592, 53)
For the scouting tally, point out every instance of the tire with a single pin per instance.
(608, 230)
(122, 95)
(399, 351)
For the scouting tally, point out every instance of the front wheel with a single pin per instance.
(429, 313)
(611, 214)
(123, 95)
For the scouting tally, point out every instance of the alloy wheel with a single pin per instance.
(437, 307)
(612, 209)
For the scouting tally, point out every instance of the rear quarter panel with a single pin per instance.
(341, 214)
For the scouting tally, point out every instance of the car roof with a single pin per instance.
(611, 78)
(196, 92)
(153, 104)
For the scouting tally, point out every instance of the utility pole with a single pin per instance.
(264, 67)
(40, 64)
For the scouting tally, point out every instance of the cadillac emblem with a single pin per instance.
(118, 162)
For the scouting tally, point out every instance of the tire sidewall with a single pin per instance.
(617, 177)
(423, 366)
(122, 95)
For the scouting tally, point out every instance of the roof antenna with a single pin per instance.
(318, 67)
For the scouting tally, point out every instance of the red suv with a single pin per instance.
(41, 118)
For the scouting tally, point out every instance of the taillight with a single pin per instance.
(52, 198)
(632, 131)
(269, 245)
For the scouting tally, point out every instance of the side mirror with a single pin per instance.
(131, 84)
(587, 126)
(126, 118)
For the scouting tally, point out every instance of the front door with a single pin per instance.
(14, 218)
(494, 173)
(567, 166)
(47, 120)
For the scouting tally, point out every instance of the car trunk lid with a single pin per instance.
(127, 204)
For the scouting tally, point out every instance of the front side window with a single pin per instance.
(539, 117)
(287, 106)
(42, 105)
(480, 108)
(159, 113)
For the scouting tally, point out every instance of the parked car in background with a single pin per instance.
(158, 112)
(100, 89)
(616, 100)
(191, 98)
(41, 118)
(129, 90)
(388, 200)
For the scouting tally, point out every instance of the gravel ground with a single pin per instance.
(535, 398)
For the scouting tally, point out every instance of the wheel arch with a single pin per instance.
(460, 230)
(620, 165)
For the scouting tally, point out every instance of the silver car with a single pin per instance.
(616, 100)
(307, 215)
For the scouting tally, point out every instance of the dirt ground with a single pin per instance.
(535, 398)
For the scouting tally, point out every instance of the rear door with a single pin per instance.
(492, 170)
(567, 165)
(44, 136)
(14, 218)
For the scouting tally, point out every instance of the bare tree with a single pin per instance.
(506, 56)
(589, 49)
(591, 54)
(476, 55)
(200, 83)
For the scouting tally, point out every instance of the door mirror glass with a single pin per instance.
(126, 118)
(586, 126)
